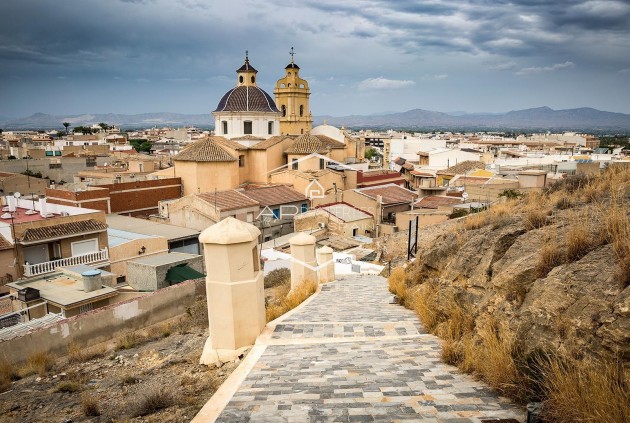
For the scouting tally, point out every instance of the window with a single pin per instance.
(270, 128)
(240, 79)
(247, 127)
(302, 131)
(304, 208)
(355, 231)
(322, 164)
(84, 247)
(250, 217)
(276, 213)
(241, 160)
(294, 164)
(224, 123)
(253, 79)
(301, 110)
(284, 110)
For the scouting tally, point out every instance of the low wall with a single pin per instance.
(102, 325)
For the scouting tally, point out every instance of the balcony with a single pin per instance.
(50, 266)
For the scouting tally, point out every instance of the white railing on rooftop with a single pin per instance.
(50, 266)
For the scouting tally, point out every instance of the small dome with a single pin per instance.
(292, 66)
(229, 231)
(247, 99)
(303, 239)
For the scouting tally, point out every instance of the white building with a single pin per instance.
(246, 110)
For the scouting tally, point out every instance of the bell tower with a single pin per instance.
(292, 99)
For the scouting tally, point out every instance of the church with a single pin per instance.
(257, 137)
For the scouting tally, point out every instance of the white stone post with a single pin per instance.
(303, 261)
(326, 264)
(234, 288)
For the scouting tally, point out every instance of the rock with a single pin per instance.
(39, 379)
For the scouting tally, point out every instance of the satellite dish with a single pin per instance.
(17, 195)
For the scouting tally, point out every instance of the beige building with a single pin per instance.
(125, 246)
(338, 218)
(292, 98)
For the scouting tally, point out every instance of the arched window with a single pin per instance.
(253, 79)
(301, 85)
(283, 85)
(301, 110)
(224, 124)
(284, 110)
(240, 79)
(270, 127)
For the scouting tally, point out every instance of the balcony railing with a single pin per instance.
(49, 266)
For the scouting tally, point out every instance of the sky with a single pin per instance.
(359, 56)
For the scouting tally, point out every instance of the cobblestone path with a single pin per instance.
(349, 355)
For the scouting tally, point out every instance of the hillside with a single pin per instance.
(533, 296)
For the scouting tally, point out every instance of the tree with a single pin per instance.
(66, 125)
(104, 126)
(370, 152)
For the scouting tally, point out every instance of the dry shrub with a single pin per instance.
(68, 386)
(154, 399)
(38, 363)
(79, 354)
(277, 277)
(564, 201)
(585, 391)
(500, 213)
(397, 283)
(129, 379)
(160, 331)
(618, 229)
(475, 221)
(198, 313)
(535, 218)
(8, 374)
(291, 300)
(89, 405)
(127, 339)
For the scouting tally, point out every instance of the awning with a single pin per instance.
(182, 273)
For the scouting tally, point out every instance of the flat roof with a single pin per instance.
(63, 289)
(164, 258)
(148, 227)
(345, 212)
(117, 237)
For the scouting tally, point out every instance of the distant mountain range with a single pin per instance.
(540, 118)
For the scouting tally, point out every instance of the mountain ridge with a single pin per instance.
(537, 118)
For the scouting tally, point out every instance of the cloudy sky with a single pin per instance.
(359, 56)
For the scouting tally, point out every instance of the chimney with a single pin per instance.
(42, 206)
(11, 202)
(91, 280)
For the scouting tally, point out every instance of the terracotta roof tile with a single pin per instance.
(308, 144)
(63, 230)
(229, 143)
(269, 142)
(205, 150)
(434, 201)
(228, 200)
(391, 193)
(5, 244)
(462, 168)
(274, 195)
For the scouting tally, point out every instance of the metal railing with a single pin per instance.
(50, 266)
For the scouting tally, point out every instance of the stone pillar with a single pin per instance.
(234, 288)
(326, 264)
(303, 261)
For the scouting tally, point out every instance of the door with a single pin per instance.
(84, 247)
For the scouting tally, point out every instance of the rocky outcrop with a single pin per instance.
(579, 306)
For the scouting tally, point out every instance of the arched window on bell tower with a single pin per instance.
(284, 110)
(301, 110)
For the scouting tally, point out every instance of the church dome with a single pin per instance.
(247, 99)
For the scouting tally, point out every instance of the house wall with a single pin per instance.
(360, 201)
(119, 255)
(96, 198)
(103, 324)
(426, 218)
(69, 166)
(23, 184)
(200, 177)
(7, 268)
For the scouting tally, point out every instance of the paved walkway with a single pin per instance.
(349, 355)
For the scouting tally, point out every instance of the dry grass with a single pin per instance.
(535, 219)
(8, 374)
(38, 363)
(397, 283)
(291, 300)
(579, 239)
(129, 379)
(423, 300)
(585, 391)
(127, 339)
(551, 256)
(79, 354)
(618, 230)
(68, 386)
(475, 221)
(89, 405)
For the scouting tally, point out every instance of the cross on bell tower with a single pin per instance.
(292, 53)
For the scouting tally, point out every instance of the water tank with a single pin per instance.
(91, 280)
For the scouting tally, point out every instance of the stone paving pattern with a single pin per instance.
(371, 361)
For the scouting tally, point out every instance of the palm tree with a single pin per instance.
(66, 124)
